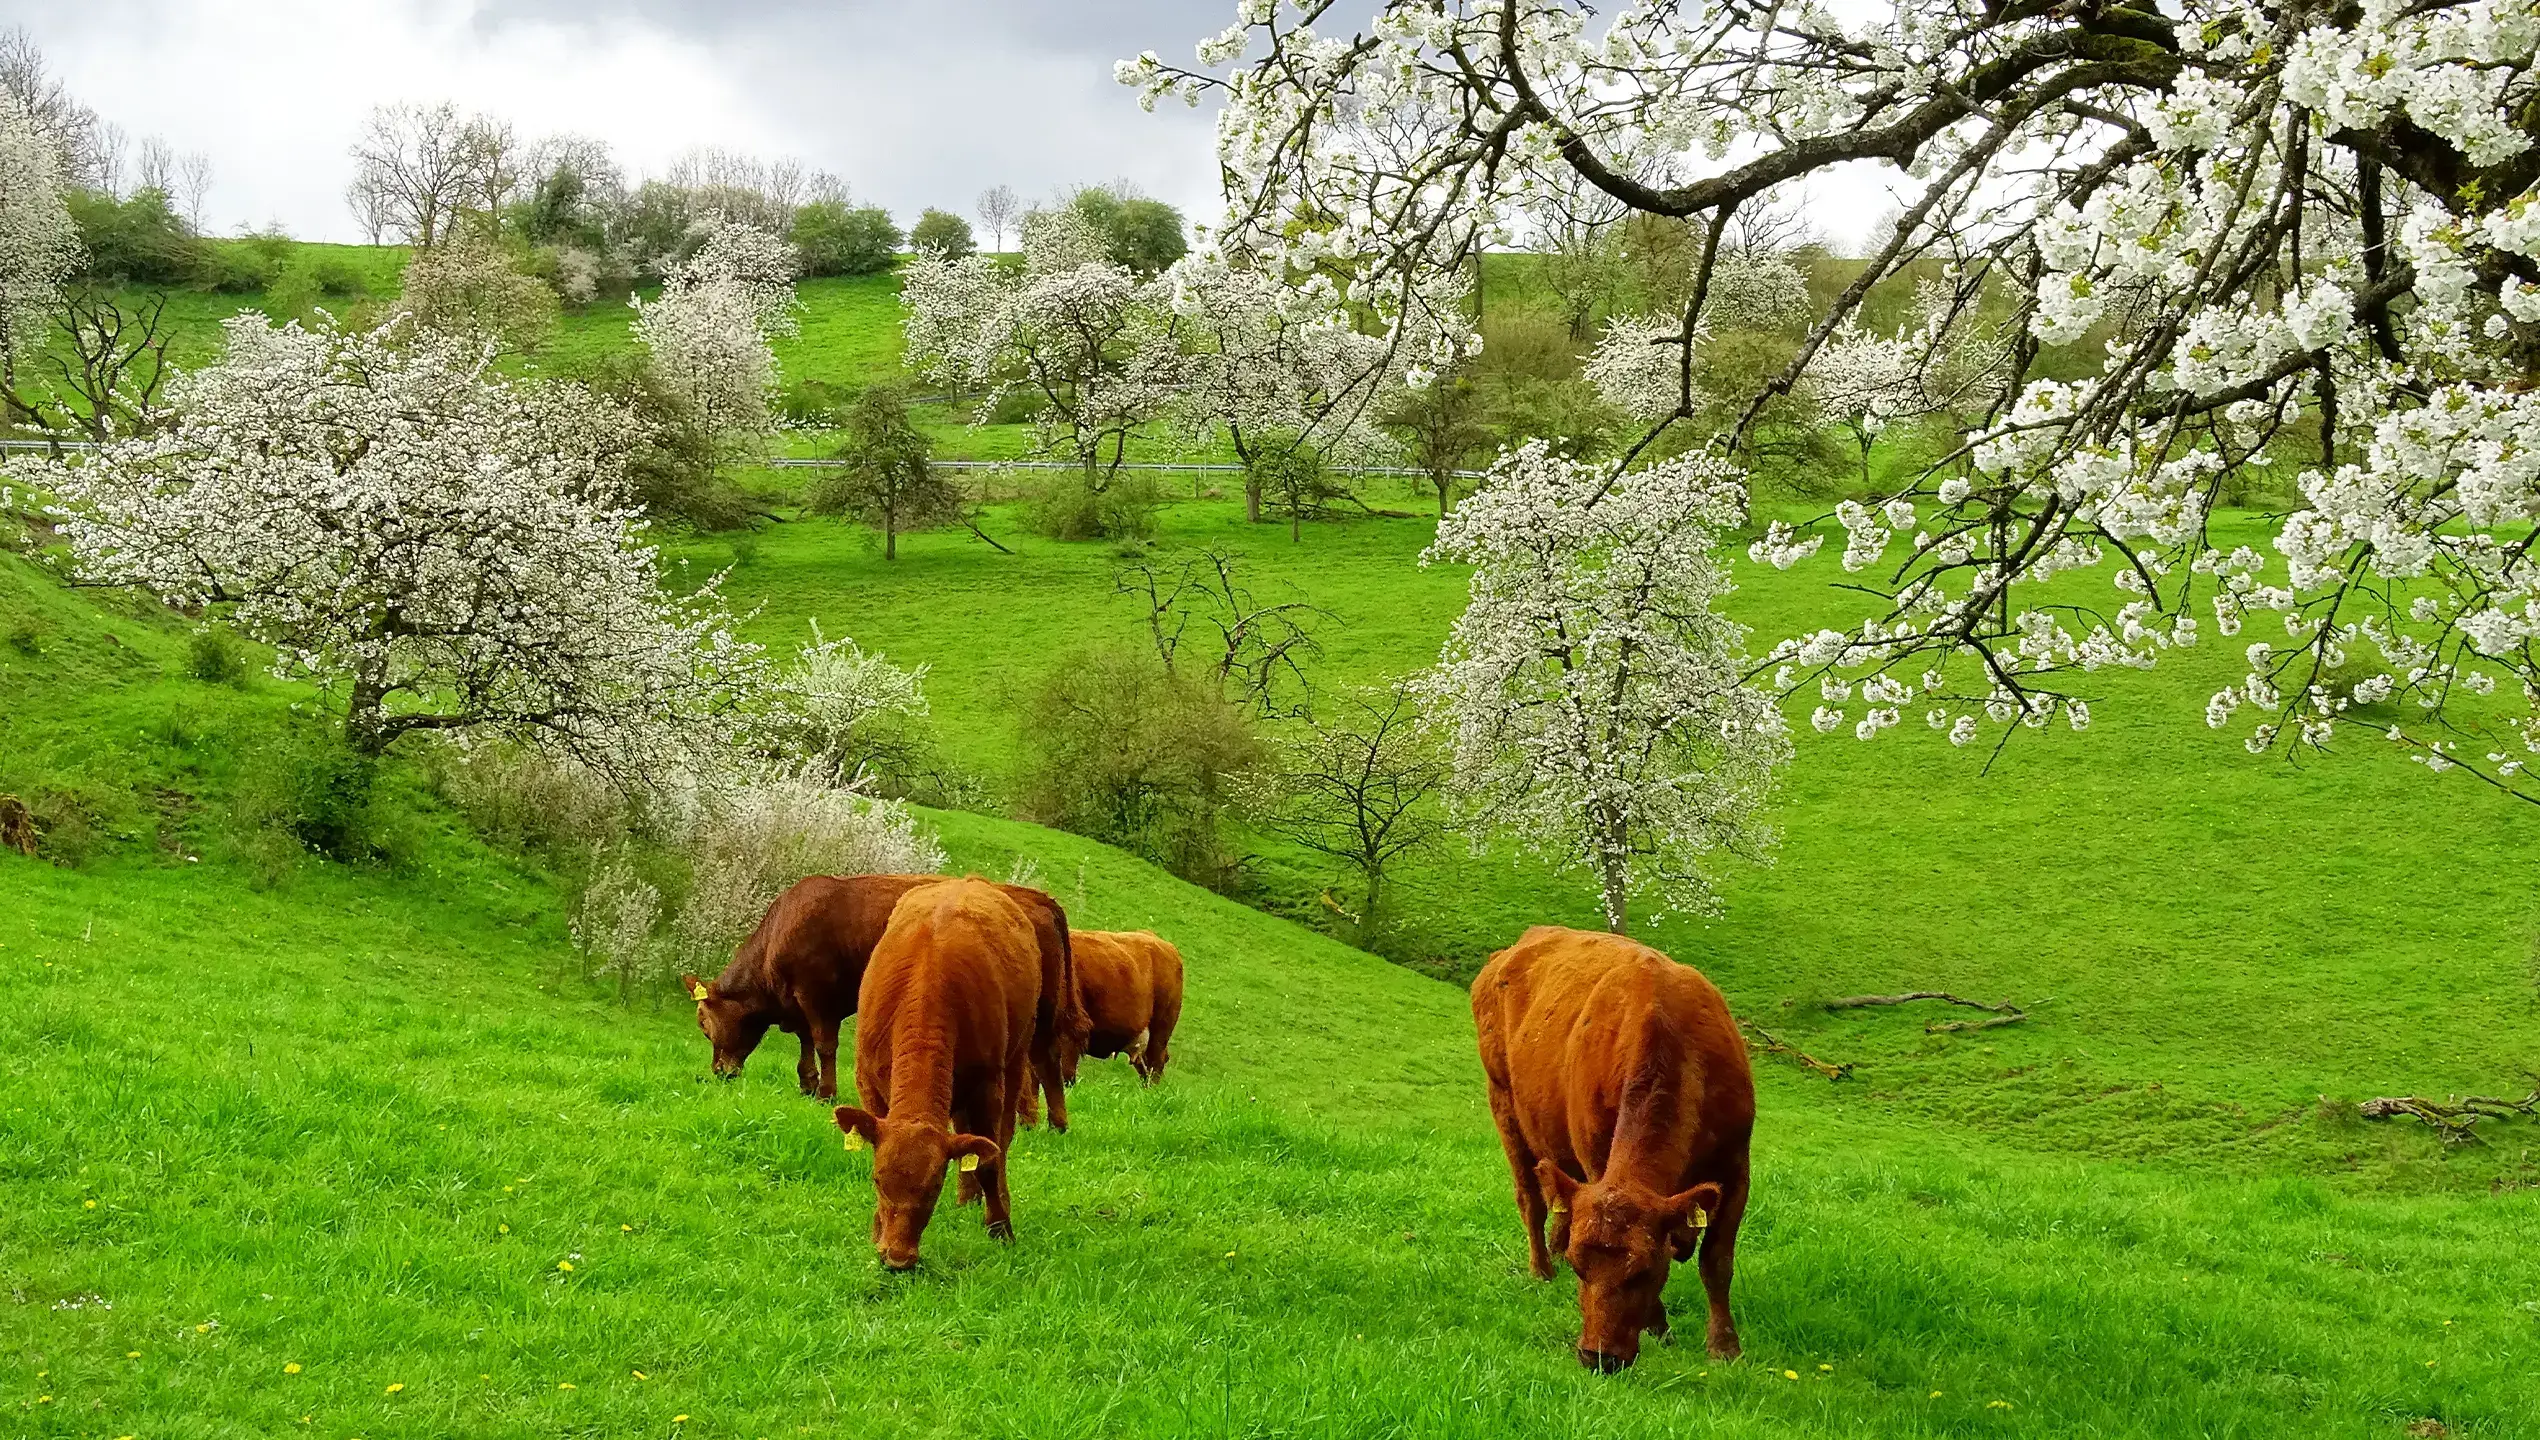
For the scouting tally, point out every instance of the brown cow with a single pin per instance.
(1623, 1098)
(1130, 982)
(801, 968)
(943, 1055)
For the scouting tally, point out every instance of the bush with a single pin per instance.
(248, 263)
(140, 241)
(309, 792)
(612, 924)
(1070, 509)
(529, 800)
(311, 280)
(1145, 235)
(836, 239)
(215, 657)
(944, 233)
(1125, 751)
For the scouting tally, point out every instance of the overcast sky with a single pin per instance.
(912, 104)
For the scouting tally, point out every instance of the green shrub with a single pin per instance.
(215, 657)
(140, 241)
(1070, 509)
(838, 239)
(308, 791)
(1122, 749)
(249, 263)
(944, 233)
(25, 636)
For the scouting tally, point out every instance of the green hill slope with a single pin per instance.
(305, 1150)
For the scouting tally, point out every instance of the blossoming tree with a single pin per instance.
(1595, 696)
(709, 336)
(2282, 229)
(1095, 348)
(441, 549)
(39, 247)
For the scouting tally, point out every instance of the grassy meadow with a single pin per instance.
(294, 1147)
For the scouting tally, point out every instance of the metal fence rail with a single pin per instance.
(813, 463)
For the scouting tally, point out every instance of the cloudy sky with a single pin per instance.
(912, 102)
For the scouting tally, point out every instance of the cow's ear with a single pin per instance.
(974, 1151)
(1702, 1199)
(1558, 1188)
(860, 1126)
(697, 989)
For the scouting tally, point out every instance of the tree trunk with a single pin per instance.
(1252, 498)
(365, 727)
(890, 533)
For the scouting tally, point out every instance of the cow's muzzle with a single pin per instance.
(1603, 1362)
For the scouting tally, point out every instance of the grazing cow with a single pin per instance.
(943, 1056)
(800, 971)
(1130, 982)
(1624, 1100)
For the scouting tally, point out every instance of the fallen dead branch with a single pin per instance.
(17, 827)
(1765, 1040)
(2005, 1013)
(2455, 1119)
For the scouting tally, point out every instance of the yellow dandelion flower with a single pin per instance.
(1935, 1394)
(1230, 1254)
(91, 1205)
(132, 1354)
(629, 1230)
(400, 1385)
(565, 1265)
(1997, 1404)
(203, 1329)
(564, 1384)
(43, 1399)
(678, 1419)
(640, 1375)
(291, 1369)
(1829, 1369)
(502, 1229)
(1790, 1374)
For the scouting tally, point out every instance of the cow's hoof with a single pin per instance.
(1541, 1269)
(1002, 1230)
(1726, 1348)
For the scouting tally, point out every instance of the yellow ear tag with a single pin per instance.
(855, 1142)
(1701, 1218)
(969, 1163)
(698, 994)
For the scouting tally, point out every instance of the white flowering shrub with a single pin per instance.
(441, 549)
(1595, 696)
(2283, 231)
(468, 289)
(846, 713)
(612, 923)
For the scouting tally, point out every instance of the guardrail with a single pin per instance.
(789, 462)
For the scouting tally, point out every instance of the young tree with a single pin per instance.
(39, 246)
(847, 714)
(2276, 229)
(998, 210)
(944, 233)
(1207, 625)
(441, 549)
(1356, 782)
(886, 475)
(418, 168)
(1441, 429)
(1593, 692)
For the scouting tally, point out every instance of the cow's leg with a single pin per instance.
(1719, 1263)
(998, 1107)
(1521, 1166)
(823, 1042)
(807, 1069)
(972, 1115)
(1042, 1073)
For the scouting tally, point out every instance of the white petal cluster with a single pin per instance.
(1594, 695)
(709, 334)
(444, 549)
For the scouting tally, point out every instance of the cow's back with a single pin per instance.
(816, 940)
(1566, 1021)
(957, 972)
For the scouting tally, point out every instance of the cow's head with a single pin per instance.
(1620, 1238)
(732, 1028)
(908, 1176)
